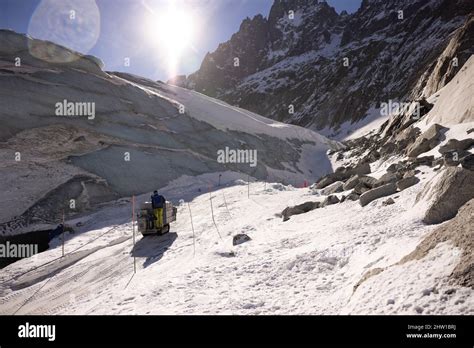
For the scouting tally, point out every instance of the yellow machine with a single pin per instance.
(147, 222)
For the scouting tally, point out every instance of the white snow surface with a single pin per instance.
(307, 265)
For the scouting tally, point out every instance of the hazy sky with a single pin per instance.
(128, 31)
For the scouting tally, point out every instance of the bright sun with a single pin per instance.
(172, 30)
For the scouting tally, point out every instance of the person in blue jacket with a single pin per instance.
(157, 204)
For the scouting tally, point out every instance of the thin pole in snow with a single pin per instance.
(192, 226)
(62, 234)
(212, 213)
(248, 185)
(133, 232)
(225, 202)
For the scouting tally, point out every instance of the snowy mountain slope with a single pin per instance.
(299, 61)
(308, 265)
(343, 258)
(49, 159)
(455, 103)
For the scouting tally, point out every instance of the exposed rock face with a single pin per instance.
(454, 188)
(298, 61)
(460, 232)
(378, 192)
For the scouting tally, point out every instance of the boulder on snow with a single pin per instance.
(361, 169)
(468, 162)
(421, 161)
(299, 209)
(333, 188)
(387, 178)
(330, 179)
(456, 145)
(428, 140)
(395, 167)
(453, 158)
(353, 196)
(454, 188)
(354, 180)
(240, 238)
(388, 148)
(361, 187)
(342, 174)
(351, 182)
(407, 182)
(330, 200)
(388, 201)
(378, 192)
(411, 172)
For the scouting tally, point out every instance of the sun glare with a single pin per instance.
(172, 31)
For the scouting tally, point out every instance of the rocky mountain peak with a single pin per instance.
(337, 69)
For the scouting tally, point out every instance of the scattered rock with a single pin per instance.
(387, 178)
(388, 148)
(299, 209)
(450, 291)
(353, 196)
(361, 169)
(421, 161)
(351, 182)
(418, 309)
(330, 200)
(410, 172)
(456, 145)
(240, 238)
(388, 201)
(330, 179)
(451, 159)
(395, 167)
(378, 192)
(332, 188)
(468, 162)
(407, 182)
(361, 187)
(428, 140)
(354, 180)
(390, 301)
